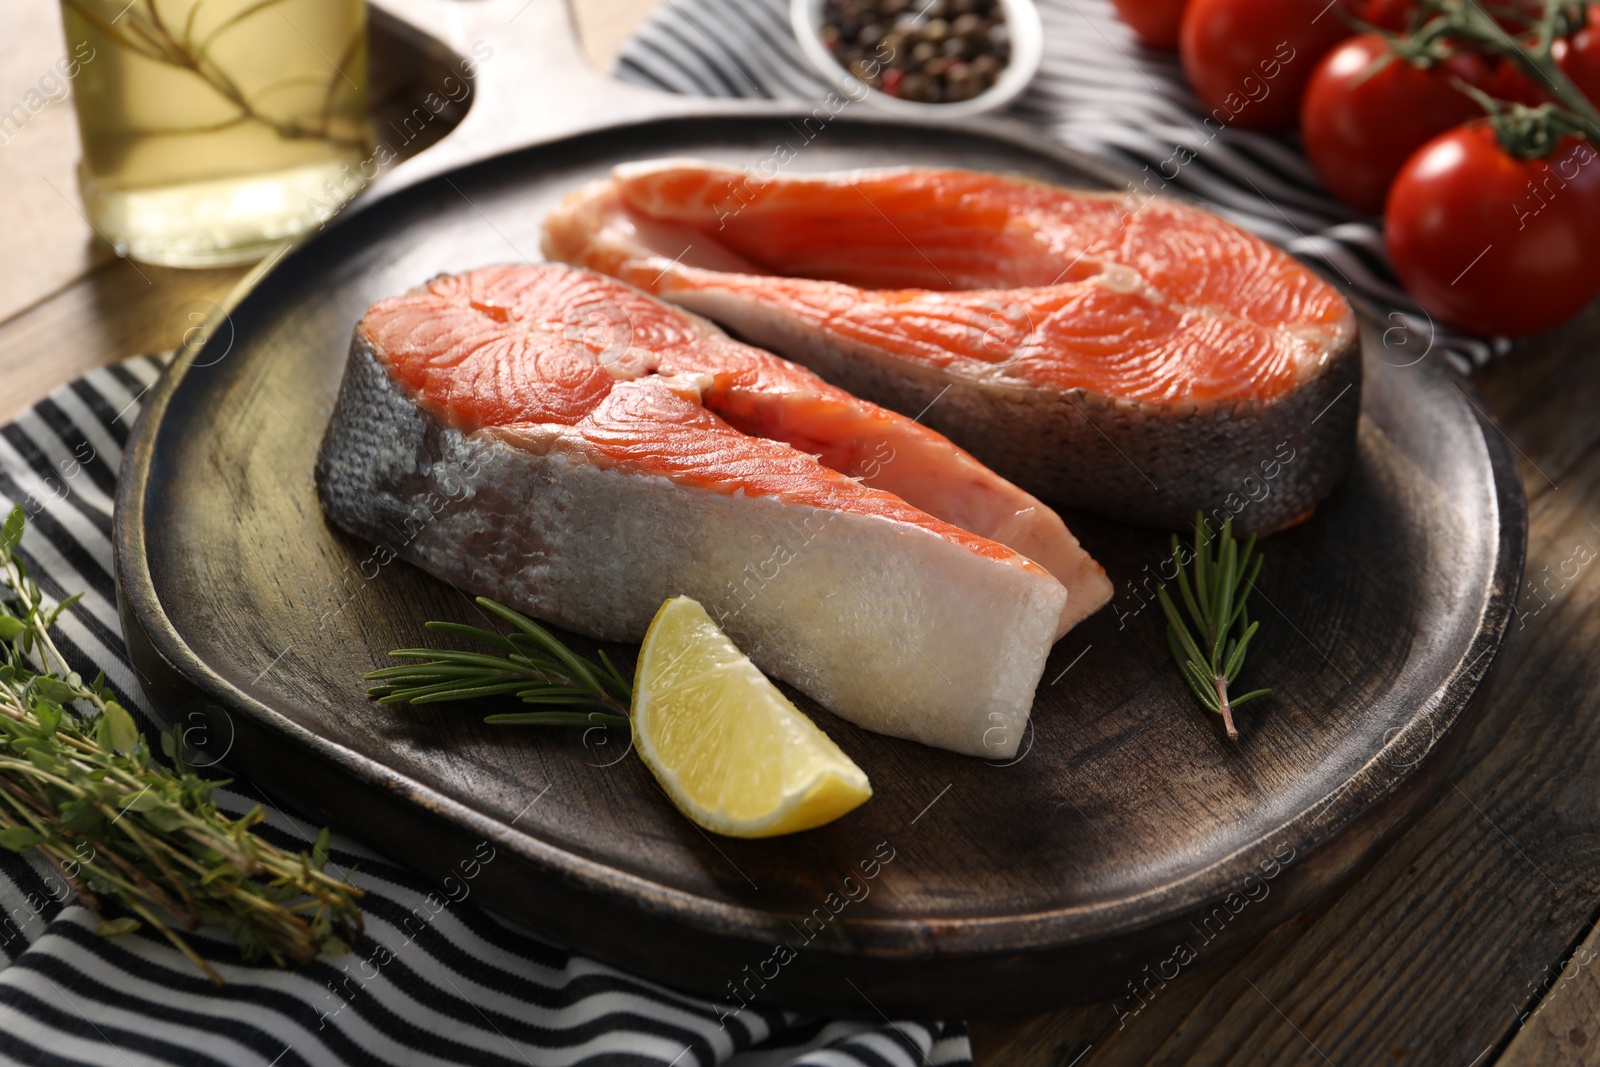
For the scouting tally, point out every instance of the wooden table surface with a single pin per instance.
(1472, 941)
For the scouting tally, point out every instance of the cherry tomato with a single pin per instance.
(1579, 57)
(1249, 60)
(1391, 15)
(1516, 16)
(1494, 243)
(1395, 15)
(1155, 22)
(1359, 127)
(1507, 82)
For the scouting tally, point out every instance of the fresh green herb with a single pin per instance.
(531, 663)
(1214, 586)
(120, 828)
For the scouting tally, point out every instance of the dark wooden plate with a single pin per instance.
(1129, 841)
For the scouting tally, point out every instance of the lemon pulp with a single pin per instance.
(733, 753)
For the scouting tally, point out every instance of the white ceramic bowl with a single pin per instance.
(1027, 49)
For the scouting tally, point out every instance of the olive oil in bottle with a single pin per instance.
(212, 130)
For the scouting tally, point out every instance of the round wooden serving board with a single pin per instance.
(1128, 840)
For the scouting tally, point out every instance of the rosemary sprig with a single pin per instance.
(532, 664)
(120, 828)
(1212, 655)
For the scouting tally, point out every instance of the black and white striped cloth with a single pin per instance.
(468, 989)
(1098, 91)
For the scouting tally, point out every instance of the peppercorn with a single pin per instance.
(930, 51)
(986, 69)
(915, 87)
(969, 26)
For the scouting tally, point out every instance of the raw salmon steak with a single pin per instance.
(573, 447)
(1135, 357)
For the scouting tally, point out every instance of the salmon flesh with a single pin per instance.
(564, 443)
(1139, 358)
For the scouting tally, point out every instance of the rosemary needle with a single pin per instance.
(1211, 656)
(528, 662)
(120, 828)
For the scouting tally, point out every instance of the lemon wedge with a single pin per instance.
(731, 751)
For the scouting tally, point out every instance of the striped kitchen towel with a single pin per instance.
(468, 988)
(1099, 91)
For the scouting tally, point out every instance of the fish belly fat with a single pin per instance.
(887, 625)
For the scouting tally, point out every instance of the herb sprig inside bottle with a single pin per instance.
(1215, 587)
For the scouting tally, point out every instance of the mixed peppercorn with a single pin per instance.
(930, 51)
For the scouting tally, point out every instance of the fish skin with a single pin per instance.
(1149, 448)
(886, 616)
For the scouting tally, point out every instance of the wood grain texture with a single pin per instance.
(1126, 827)
(53, 246)
(119, 309)
(39, 155)
(1561, 1028)
(1466, 924)
(67, 303)
(50, 246)
(1547, 390)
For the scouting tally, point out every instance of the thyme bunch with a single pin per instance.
(121, 829)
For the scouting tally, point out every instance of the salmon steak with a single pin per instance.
(1131, 356)
(569, 445)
